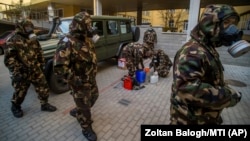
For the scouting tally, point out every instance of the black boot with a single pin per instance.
(16, 110)
(89, 133)
(73, 112)
(48, 107)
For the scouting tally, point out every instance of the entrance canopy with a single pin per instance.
(132, 5)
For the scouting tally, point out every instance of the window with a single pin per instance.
(59, 12)
(112, 27)
(146, 13)
(98, 27)
(43, 15)
(171, 23)
(64, 26)
(87, 10)
(125, 27)
(185, 25)
(244, 23)
(39, 15)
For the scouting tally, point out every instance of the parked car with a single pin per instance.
(3, 38)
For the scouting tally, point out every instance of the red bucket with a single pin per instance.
(127, 83)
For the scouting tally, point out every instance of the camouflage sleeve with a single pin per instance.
(155, 37)
(61, 60)
(189, 75)
(40, 54)
(11, 59)
(170, 63)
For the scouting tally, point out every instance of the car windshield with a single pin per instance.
(64, 26)
(5, 34)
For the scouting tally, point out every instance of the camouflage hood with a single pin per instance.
(80, 25)
(21, 24)
(208, 29)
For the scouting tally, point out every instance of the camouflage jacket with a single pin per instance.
(76, 59)
(134, 53)
(198, 87)
(161, 63)
(160, 58)
(23, 54)
(199, 93)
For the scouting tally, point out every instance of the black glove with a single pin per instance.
(235, 98)
(42, 67)
(17, 77)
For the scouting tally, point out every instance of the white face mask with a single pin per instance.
(239, 48)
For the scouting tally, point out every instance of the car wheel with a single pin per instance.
(136, 33)
(1, 51)
(57, 84)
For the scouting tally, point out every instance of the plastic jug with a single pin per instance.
(154, 78)
(128, 83)
(147, 71)
(140, 75)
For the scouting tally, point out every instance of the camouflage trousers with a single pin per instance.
(22, 83)
(85, 96)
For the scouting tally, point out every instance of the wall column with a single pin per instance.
(139, 12)
(51, 12)
(194, 9)
(97, 7)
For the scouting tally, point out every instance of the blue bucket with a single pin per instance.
(140, 76)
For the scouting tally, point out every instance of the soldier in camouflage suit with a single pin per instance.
(161, 63)
(150, 37)
(24, 59)
(134, 53)
(76, 58)
(199, 93)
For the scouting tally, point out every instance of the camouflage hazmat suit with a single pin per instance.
(199, 93)
(25, 61)
(76, 57)
(133, 53)
(150, 37)
(161, 63)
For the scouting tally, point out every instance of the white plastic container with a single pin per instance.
(154, 78)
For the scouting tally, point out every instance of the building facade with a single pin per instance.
(42, 11)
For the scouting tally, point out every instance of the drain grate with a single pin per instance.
(124, 102)
(235, 83)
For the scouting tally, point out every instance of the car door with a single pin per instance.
(112, 38)
(101, 51)
(125, 30)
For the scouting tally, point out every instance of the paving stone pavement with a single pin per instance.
(117, 114)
